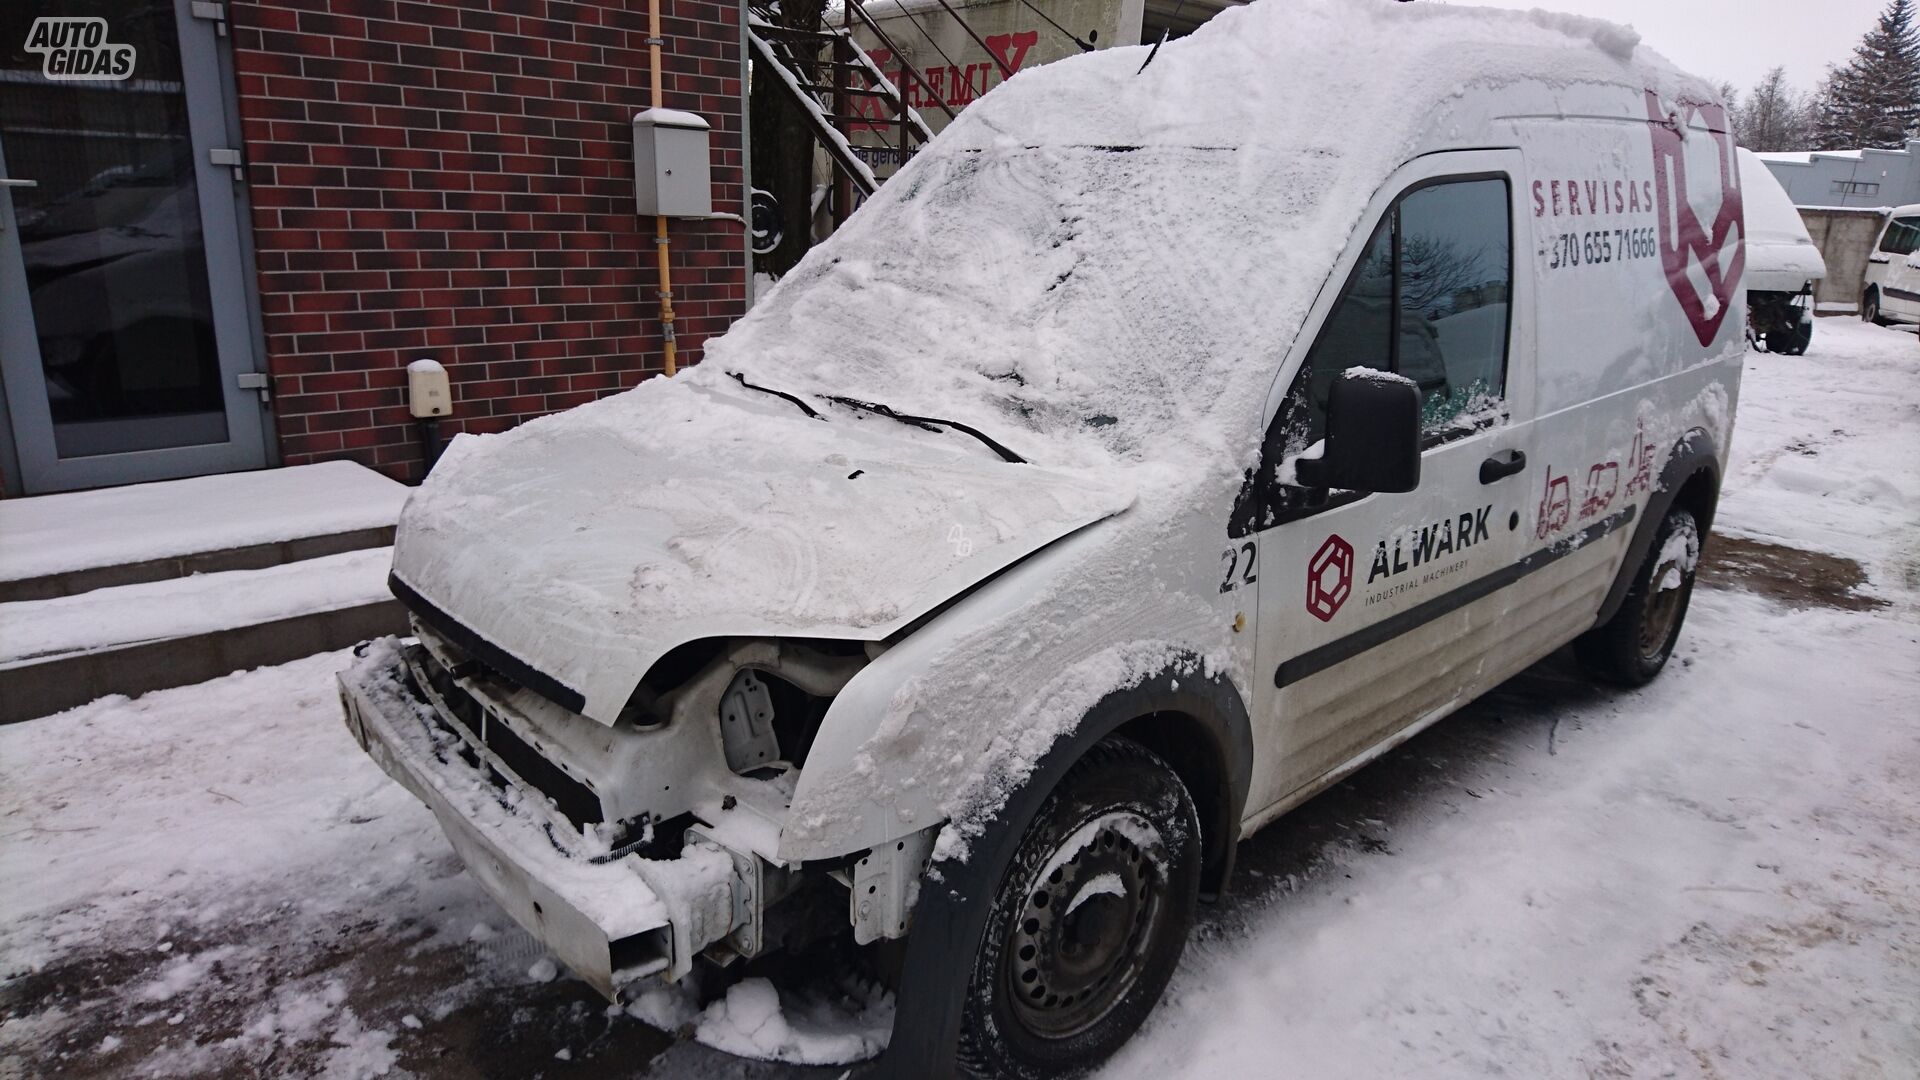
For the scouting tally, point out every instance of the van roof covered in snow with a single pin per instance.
(1111, 257)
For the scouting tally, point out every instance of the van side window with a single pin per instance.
(1359, 330)
(1428, 299)
(1901, 237)
(1454, 282)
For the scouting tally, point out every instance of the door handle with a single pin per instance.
(1502, 465)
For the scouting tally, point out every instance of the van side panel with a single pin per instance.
(1628, 333)
(1637, 257)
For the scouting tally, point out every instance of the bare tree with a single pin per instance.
(1434, 270)
(1774, 117)
(1730, 97)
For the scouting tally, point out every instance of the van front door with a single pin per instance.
(125, 344)
(1376, 611)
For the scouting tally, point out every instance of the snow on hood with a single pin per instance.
(588, 545)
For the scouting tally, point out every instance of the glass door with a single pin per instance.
(124, 335)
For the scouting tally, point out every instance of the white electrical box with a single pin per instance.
(428, 393)
(672, 173)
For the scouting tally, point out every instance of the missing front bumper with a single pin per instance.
(612, 922)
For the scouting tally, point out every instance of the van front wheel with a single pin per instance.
(1089, 921)
(1870, 308)
(1631, 648)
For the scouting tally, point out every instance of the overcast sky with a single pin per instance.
(1735, 40)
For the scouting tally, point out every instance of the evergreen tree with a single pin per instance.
(1774, 116)
(1874, 101)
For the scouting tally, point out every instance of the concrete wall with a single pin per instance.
(1845, 238)
(1821, 179)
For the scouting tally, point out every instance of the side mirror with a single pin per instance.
(1373, 435)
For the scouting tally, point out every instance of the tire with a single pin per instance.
(1791, 342)
(1055, 989)
(1870, 308)
(1632, 647)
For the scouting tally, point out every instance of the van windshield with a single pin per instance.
(1078, 294)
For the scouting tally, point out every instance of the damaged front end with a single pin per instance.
(631, 849)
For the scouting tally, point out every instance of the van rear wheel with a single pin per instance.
(1089, 922)
(1632, 647)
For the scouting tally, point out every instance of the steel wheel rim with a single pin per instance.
(1083, 933)
(1662, 614)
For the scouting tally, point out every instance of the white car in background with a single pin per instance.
(1181, 430)
(1892, 291)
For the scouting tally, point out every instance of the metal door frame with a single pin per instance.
(28, 455)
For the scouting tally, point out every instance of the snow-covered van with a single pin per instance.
(1180, 431)
(1783, 262)
(1892, 290)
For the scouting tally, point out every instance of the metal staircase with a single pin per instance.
(841, 91)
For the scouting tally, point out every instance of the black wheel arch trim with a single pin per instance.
(951, 913)
(1694, 455)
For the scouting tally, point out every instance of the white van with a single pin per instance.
(1783, 263)
(1892, 290)
(1179, 432)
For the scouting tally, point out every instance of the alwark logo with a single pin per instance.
(76, 49)
(1414, 548)
(1329, 578)
(1697, 192)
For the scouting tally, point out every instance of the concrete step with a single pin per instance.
(64, 545)
(64, 651)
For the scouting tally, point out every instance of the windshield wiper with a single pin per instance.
(804, 407)
(929, 423)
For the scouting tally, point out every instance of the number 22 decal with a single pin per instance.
(1232, 558)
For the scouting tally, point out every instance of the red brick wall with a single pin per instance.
(454, 179)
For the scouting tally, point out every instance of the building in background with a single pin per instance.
(1849, 178)
(1844, 197)
(226, 228)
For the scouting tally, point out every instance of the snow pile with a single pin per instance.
(749, 1021)
(754, 1019)
(196, 604)
(1680, 554)
(50, 534)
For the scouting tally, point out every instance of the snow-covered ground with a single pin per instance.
(1717, 876)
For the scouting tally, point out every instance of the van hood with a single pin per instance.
(586, 545)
